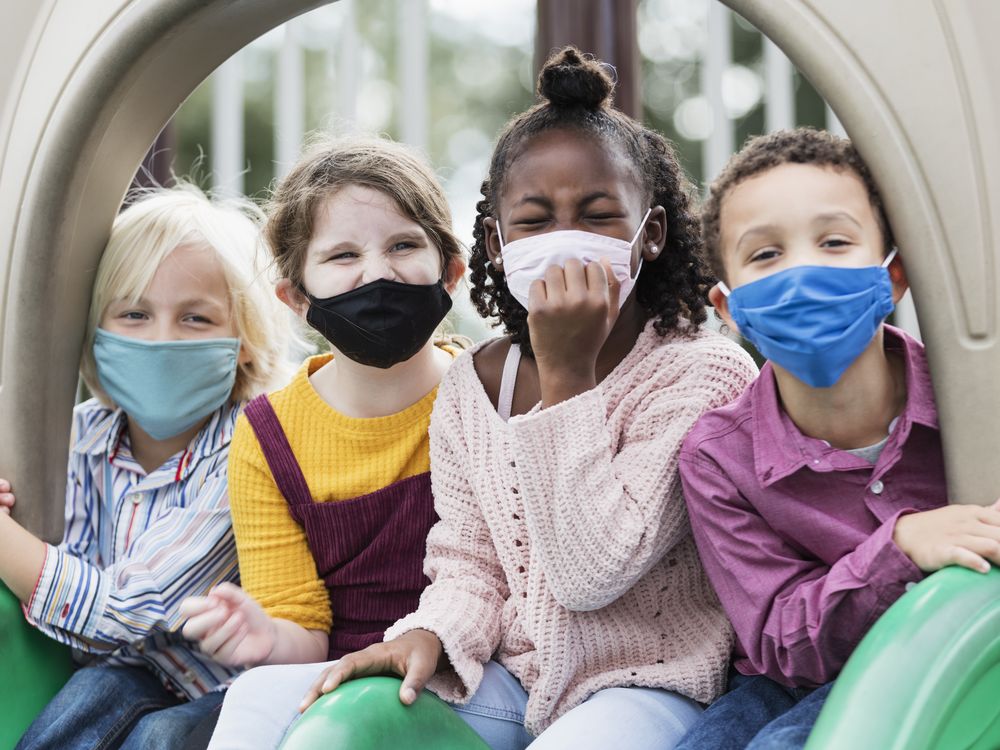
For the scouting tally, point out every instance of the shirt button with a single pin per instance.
(815, 462)
(877, 487)
(909, 585)
(189, 674)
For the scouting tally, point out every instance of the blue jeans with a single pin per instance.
(261, 706)
(757, 713)
(115, 708)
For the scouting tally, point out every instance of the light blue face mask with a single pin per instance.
(167, 387)
(813, 321)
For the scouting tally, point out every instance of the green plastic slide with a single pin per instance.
(366, 714)
(927, 675)
(32, 669)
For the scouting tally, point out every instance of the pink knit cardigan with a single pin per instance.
(563, 548)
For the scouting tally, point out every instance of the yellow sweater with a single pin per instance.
(342, 458)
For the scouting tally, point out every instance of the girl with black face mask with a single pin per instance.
(329, 477)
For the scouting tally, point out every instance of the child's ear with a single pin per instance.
(654, 237)
(492, 241)
(721, 304)
(454, 273)
(293, 297)
(897, 274)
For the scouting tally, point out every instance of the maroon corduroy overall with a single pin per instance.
(368, 550)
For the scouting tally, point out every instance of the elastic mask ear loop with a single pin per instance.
(889, 257)
(726, 291)
(642, 225)
(499, 258)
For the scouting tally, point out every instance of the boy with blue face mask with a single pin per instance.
(818, 497)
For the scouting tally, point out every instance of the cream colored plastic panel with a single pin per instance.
(915, 83)
(84, 89)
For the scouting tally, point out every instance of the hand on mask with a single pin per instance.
(570, 314)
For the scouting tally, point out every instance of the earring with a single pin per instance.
(499, 260)
(654, 249)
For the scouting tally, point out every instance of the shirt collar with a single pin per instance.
(780, 449)
(105, 434)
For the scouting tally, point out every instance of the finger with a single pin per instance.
(575, 277)
(7, 499)
(986, 547)
(419, 670)
(5, 510)
(989, 515)
(201, 626)
(196, 605)
(230, 593)
(215, 640)
(614, 286)
(5, 486)
(555, 281)
(537, 295)
(966, 558)
(226, 653)
(996, 504)
(331, 679)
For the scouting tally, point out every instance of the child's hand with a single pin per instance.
(230, 626)
(6, 497)
(570, 315)
(966, 535)
(413, 656)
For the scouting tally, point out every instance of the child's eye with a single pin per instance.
(342, 256)
(197, 319)
(133, 315)
(402, 246)
(835, 242)
(765, 254)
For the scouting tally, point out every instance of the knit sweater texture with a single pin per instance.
(564, 549)
(342, 458)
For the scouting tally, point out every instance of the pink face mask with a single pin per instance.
(528, 259)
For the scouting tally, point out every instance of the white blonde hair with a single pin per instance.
(151, 228)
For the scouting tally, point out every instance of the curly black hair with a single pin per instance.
(575, 92)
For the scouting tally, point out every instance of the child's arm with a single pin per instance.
(796, 618)
(464, 603)
(184, 551)
(603, 504)
(235, 630)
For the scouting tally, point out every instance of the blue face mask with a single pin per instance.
(167, 387)
(813, 321)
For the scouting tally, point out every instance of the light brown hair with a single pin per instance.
(331, 164)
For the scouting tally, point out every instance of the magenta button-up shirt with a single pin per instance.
(796, 536)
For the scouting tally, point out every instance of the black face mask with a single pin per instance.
(382, 323)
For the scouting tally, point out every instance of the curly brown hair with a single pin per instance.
(575, 93)
(764, 152)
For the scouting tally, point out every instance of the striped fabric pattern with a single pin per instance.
(135, 546)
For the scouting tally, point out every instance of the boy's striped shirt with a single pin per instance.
(135, 546)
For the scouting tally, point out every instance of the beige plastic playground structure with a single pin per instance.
(86, 86)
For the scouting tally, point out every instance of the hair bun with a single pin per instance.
(571, 79)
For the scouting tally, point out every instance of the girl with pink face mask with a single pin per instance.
(567, 606)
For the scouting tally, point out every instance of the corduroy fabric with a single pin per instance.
(341, 458)
(369, 551)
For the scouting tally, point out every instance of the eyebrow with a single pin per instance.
(755, 230)
(584, 201)
(833, 216)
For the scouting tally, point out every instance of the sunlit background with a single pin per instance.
(444, 75)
